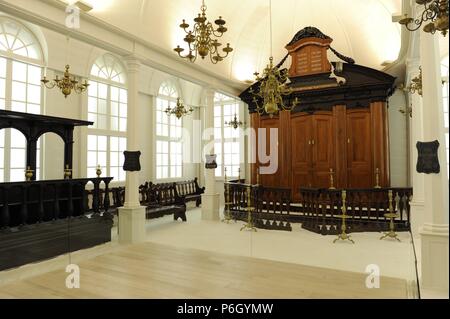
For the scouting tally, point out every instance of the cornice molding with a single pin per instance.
(173, 68)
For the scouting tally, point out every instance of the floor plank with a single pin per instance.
(152, 270)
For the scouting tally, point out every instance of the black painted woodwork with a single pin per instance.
(33, 126)
(132, 163)
(44, 219)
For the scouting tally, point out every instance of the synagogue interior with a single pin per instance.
(207, 149)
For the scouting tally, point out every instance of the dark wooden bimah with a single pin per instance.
(45, 219)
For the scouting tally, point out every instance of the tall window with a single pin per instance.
(445, 88)
(169, 147)
(227, 146)
(21, 63)
(107, 108)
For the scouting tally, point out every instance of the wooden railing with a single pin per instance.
(320, 209)
(272, 205)
(27, 203)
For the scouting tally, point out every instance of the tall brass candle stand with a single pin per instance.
(28, 174)
(226, 212)
(377, 178)
(249, 225)
(331, 179)
(343, 235)
(391, 215)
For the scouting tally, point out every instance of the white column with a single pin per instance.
(132, 214)
(417, 202)
(434, 233)
(210, 199)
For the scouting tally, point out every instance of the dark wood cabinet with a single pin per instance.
(351, 142)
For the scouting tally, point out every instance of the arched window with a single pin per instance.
(169, 147)
(445, 88)
(227, 146)
(107, 108)
(21, 62)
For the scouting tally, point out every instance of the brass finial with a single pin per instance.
(98, 171)
(67, 172)
(257, 176)
(28, 174)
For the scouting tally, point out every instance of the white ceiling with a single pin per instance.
(361, 29)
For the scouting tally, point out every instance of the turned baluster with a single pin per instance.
(96, 198)
(84, 199)
(5, 217)
(70, 200)
(106, 201)
(24, 207)
(41, 210)
(56, 204)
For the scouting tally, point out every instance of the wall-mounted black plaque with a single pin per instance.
(211, 161)
(132, 163)
(427, 159)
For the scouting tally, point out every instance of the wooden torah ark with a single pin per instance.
(338, 132)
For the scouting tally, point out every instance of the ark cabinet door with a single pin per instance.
(301, 145)
(359, 148)
(322, 150)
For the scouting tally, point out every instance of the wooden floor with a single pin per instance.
(157, 271)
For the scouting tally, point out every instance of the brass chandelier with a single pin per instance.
(235, 123)
(272, 85)
(435, 11)
(200, 41)
(179, 111)
(67, 84)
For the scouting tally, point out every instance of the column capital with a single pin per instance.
(133, 63)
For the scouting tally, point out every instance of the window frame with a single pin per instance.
(222, 100)
(171, 99)
(10, 57)
(107, 132)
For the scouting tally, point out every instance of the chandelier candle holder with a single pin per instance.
(179, 110)
(67, 84)
(435, 11)
(415, 86)
(343, 235)
(235, 123)
(200, 39)
(391, 216)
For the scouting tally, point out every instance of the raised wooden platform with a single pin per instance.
(151, 270)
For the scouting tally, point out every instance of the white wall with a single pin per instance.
(398, 137)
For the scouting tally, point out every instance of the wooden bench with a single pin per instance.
(162, 199)
(190, 191)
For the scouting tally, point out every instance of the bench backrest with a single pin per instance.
(165, 194)
(189, 187)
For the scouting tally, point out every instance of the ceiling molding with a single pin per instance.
(194, 73)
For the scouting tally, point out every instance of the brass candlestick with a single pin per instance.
(331, 179)
(391, 215)
(239, 175)
(377, 178)
(226, 212)
(28, 174)
(343, 235)
(257, 176)
(249, 225)
(67, 172)
(98, 171)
